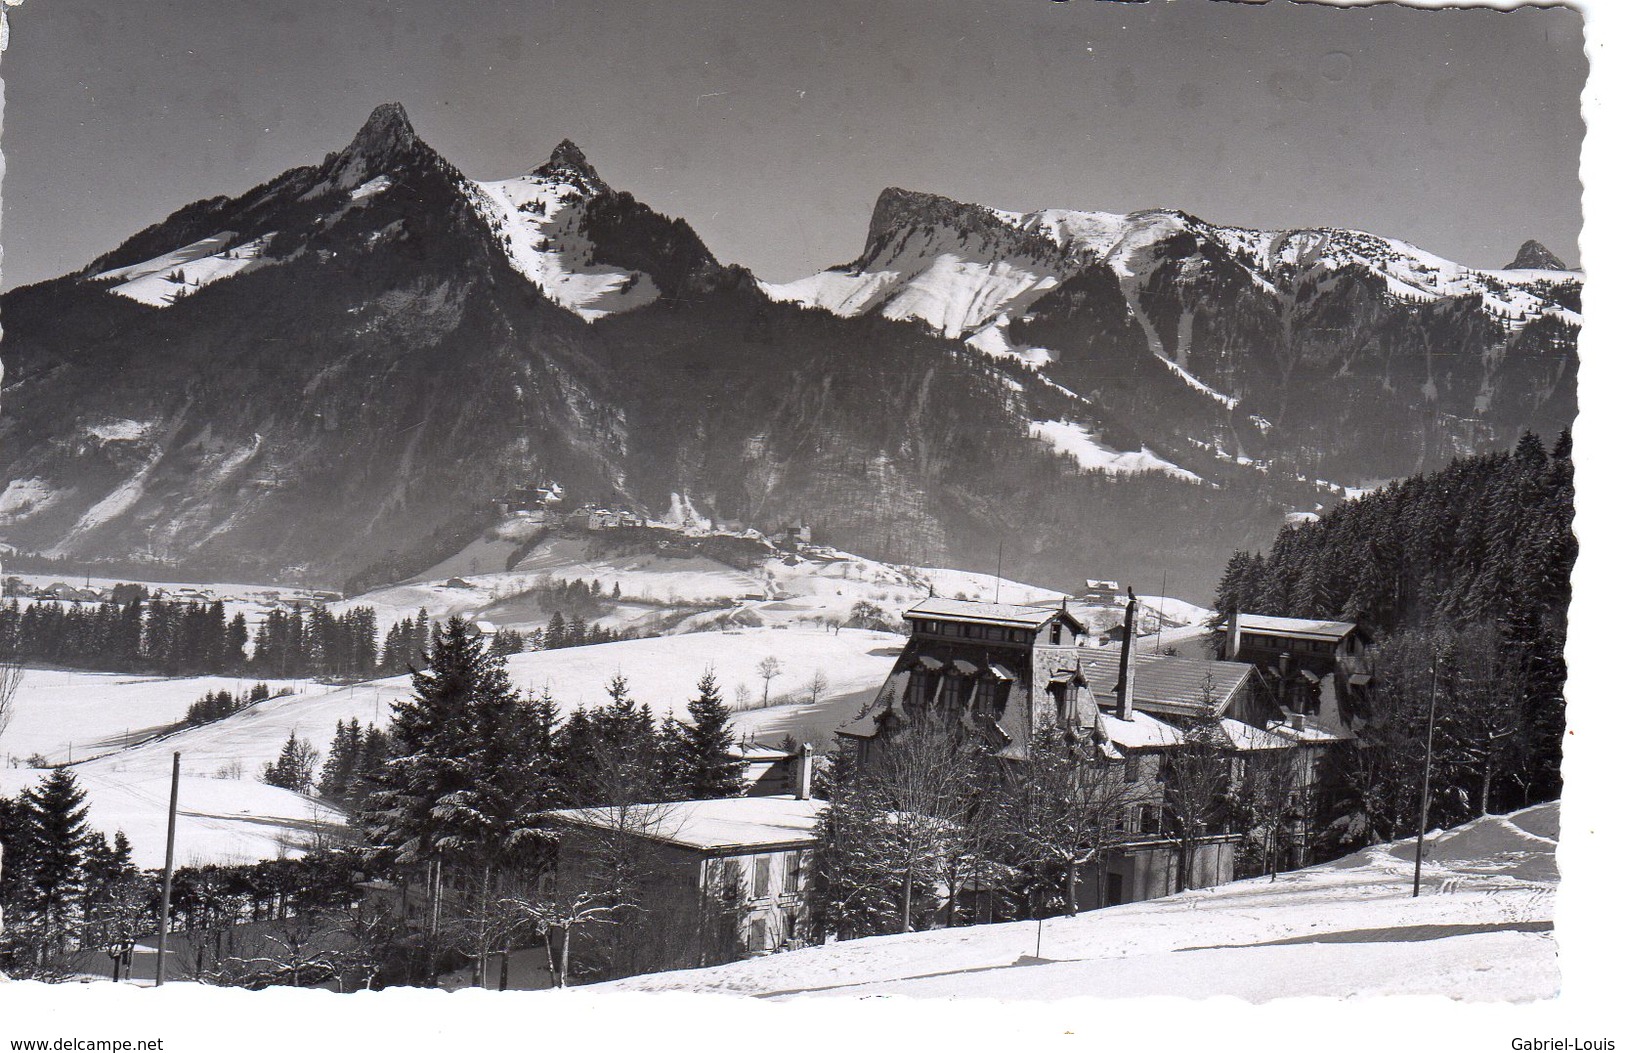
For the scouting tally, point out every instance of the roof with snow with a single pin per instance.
(1245, 737)
(721, 825)
(1310, 732)
(753, 752)
(1184, 685)
(1142, 732)
(1014, 614)
(1326, 630)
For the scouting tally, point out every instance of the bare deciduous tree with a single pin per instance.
(768, 669)
(1197, 775)
(1062, 811)
(11, 678)
(816, 687)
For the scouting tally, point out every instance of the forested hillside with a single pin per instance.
(1463, 575)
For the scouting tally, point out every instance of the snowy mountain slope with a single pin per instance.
(538, 219)
(1480, 931)
(1085, 447)
(161, 281)
(954, 277)
(945, 264)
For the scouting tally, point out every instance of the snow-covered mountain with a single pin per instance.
(967, 270)
(1336, 353)
(332, 375)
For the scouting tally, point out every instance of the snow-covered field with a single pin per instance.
(782, 609)
(1481, 931)
(65, 715)
(661, 671)
(231, 816)
(217, 820)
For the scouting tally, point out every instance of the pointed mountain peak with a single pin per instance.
(1533, 256)
(385, 139)
(569, 163)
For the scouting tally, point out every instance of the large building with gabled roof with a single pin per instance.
(1004, 671)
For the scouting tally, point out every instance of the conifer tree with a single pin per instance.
(295, 766)
(558, 634)
(459, 784)
(704, 766)
(54, 837)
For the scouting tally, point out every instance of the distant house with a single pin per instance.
(593, 518)
(739, 862)
(792, 535)
(529, 498)
(1098, 592)
(61, 590)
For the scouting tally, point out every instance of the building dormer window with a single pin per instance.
(1055, 632)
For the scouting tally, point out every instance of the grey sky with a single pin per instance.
(771, 126)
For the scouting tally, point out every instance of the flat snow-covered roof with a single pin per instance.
(1295, 626)
(1018, 614)
(728, 822)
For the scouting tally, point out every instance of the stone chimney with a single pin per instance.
(1233, 636)
(803, 762)
(1125, 669)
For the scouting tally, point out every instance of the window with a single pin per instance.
(1055, 632)
(758, 935)
(763, 877)
(1150, 819)
(1131, 768)
(951, 689)
(793, 863)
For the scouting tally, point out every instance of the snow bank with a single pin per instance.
(1480, 931)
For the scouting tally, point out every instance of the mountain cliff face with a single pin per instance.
(1331, 353)
(339, 369)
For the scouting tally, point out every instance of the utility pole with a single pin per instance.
(169, 872)
(1427, 774)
